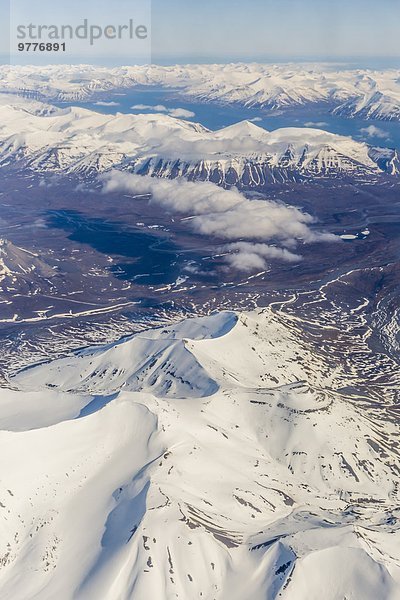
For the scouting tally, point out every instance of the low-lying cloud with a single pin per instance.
(179, 113)
(104, 103)
(250, 256)
(252, 232)
(373, 131)
(316, 124)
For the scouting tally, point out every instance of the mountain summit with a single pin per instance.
(215, 458)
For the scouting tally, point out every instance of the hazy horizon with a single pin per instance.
(219, 31)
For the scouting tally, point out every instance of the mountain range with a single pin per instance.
(75, 140)
(365, 93)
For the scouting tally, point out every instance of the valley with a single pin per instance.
(98, 273)
(199, 333)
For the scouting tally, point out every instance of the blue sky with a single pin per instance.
(218, 30)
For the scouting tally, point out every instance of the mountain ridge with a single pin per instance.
(273, 482)
(241, 154)
(372, 94)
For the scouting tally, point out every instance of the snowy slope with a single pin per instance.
(217, 459)
(359, 92)
(76, 140)
(376, 105)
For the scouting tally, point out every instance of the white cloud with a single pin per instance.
(49, 181)
(179, 113)
(316, 124)
(248, 256)
(155, 108)
(227, 215)
(373, 131)
(101, 103)
(177, 195)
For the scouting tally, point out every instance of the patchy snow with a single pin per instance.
(349, 236)
(18, 263)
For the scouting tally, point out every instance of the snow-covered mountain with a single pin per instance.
(216, 458)
(76, 140)
(365, 93)
(376, 105)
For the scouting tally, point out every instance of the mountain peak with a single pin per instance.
(240, 154)
(243, 128)
(227, 435)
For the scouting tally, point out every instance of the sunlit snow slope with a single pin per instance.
(83, 142)
(210, 459)
(364, 93)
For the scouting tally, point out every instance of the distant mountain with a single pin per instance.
(369, 94)
(377, 105)
(84, 142)
(222, 457)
